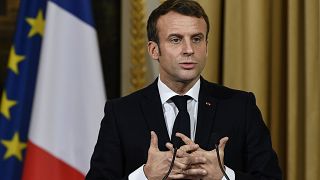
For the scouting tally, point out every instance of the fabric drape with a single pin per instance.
(272, 49)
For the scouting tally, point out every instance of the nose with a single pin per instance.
(188, 48)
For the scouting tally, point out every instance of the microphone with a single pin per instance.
(220, 164)
(215, 137)
(175, 143)
(172, 163)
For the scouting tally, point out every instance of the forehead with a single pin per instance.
(175, 23)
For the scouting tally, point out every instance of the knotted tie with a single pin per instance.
(182, 122)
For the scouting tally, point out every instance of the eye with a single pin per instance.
(175, 40)
(196, 39)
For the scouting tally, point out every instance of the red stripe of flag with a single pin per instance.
(40, 165)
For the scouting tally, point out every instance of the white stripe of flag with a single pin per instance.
(69, 96)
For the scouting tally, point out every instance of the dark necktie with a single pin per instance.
(182, 122)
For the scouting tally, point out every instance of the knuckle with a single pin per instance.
(182, 148)
(184, 161)
(180, 152)
(187, 171)
(187, 148)
(184, 166)
(204, 160)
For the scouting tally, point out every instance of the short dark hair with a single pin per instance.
(184, 7)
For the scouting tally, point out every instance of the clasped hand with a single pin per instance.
(192, 162)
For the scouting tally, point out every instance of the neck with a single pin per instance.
(180, 87)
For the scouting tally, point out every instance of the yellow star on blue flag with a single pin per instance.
(6, 105)
(14, 60)
(14, 147)
(16, 99)
(37, 24)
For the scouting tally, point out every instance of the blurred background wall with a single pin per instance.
(8, 13)
(269, 47)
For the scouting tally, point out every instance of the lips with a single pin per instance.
(188, 65)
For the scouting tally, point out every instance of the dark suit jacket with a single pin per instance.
(124, 136)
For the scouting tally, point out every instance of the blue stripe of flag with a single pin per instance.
(78, 8)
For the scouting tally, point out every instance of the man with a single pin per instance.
(178, 33)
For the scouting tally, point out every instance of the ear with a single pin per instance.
(153, 50)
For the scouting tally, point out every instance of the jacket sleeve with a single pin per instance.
(261, 160)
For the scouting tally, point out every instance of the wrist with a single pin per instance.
(145, 171)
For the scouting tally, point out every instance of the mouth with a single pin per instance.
(188, 65)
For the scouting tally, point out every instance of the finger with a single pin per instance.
(179, 152)
(185, 138)
(192, 160)
(186, 149)
(178, 165)
(195, 172)
(222, 143)
(169, 146)
(188, 174)
(183, 150)
(177, 176)
(187, 162)
(154, 141)
(189, 148)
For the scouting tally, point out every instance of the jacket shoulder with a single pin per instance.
(223, 92)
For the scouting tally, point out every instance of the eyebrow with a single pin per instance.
(198, 34)
(180, 36)
(174, 34)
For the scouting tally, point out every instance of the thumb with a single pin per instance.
(222, 143)
(154, 141)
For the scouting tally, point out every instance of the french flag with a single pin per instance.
(69, 95)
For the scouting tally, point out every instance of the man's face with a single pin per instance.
(183, 47)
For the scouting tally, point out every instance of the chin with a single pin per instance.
(189, 78)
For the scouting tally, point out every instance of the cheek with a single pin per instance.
(168, 58)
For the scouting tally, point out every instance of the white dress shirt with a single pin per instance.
(170, 112)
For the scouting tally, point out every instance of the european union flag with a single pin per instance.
(17, 96)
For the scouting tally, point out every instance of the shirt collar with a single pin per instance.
(166, 93)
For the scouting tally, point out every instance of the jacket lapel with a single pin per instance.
(153, 113)
(207, 105)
